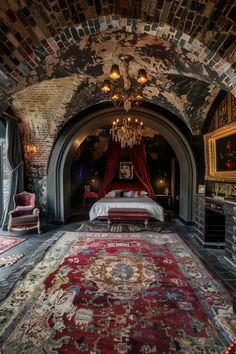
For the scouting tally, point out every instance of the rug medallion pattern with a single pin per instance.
(105, 293)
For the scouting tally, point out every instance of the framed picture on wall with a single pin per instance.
(220, 154)
(126, 170)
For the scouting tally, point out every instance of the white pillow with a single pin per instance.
(129, 194)
(136, 194)
(111, 194)
(143, 193)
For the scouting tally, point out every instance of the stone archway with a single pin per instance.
(58, 179)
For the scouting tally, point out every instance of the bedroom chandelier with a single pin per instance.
(127, 91)
(128, 132)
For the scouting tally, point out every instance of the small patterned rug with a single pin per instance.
(7, 242)
(10, 260)
(118, 227)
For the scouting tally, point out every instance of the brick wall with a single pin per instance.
(42, 109)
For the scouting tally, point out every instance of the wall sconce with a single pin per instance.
(31, 149)
(161, 182)
(94, 182)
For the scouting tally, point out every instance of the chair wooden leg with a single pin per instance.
(9, 224)
(38, 227)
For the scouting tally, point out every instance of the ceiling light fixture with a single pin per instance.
(128, 132)
(126, 91)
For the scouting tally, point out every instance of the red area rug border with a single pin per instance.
(16, 241)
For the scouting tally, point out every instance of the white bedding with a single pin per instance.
(101, 207)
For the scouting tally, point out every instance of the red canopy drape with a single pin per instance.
(113, 158)
(138, 158)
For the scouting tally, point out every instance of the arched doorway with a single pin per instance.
(58, 183)
(4, 171)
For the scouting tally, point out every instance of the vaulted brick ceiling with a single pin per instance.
(187, 48)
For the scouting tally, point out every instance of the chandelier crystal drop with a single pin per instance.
(128, 132)
(126, 91)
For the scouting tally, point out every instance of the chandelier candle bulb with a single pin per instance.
(115, 97)
(106, 87)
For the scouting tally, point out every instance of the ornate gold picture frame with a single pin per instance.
(220, 154)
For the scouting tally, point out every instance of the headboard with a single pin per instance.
(126, 187)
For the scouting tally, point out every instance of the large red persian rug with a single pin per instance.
(106, 293)
(7, 242)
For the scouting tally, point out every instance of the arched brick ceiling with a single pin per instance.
(187, 47)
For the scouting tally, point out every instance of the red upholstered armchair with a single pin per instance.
(24, 216)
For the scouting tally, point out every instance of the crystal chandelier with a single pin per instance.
(128, 133)
(126, 91)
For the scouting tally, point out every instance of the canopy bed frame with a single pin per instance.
(126, 201)
(138, 158)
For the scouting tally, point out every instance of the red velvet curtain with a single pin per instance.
(113, 158)
(139, 159)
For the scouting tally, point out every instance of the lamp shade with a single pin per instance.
(142, 76)
(138, 96)
(106, 86)
(115, 72)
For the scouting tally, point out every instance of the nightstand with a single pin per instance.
(88, 196)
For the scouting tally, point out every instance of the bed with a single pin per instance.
(138, 199)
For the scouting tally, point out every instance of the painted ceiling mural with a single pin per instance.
(65, 48)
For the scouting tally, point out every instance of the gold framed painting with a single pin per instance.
(220, 154)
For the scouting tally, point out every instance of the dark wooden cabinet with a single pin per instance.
(230, 232)
(215, 224)
(199, 217)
